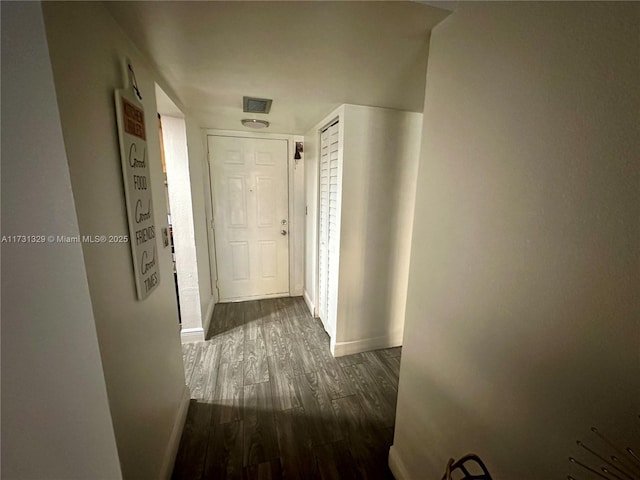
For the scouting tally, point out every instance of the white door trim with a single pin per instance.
(293, 227)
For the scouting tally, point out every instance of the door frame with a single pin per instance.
(293, 239)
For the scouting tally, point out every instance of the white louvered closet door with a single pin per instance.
(329, 225)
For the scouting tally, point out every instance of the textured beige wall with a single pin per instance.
(56, 421)
(523, 312)
(139, 340)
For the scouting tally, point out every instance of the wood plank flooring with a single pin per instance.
(270, 402)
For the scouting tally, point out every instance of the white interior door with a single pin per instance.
(328, 224)
(251, 216)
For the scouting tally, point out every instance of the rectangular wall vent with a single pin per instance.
(256, 105)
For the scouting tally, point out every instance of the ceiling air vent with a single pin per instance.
(256, 105)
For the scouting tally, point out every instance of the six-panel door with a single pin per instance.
(250, 197)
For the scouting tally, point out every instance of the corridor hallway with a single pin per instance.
(269, 401)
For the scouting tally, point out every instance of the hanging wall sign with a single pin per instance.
(137, 189)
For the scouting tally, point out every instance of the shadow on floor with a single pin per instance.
(269, 400)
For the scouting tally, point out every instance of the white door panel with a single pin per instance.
(328, 228)
(250, 198)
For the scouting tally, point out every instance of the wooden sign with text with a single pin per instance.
(137, 189)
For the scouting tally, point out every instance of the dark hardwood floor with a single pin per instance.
(269, 401)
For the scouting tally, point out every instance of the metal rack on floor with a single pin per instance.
(463, 465)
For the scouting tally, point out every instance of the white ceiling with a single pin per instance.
(309, 57)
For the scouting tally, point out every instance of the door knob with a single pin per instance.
(283, 232)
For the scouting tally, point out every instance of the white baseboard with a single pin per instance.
(339, 349)
(176, 434)
(397, 465)
(310, 306)
(209, 315)
(188, 335)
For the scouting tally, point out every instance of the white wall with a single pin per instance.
(523, 308)
(190, 187)
(380, 151)
(139, 340)
(178, 162)
(199, 176)
(55, 413)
